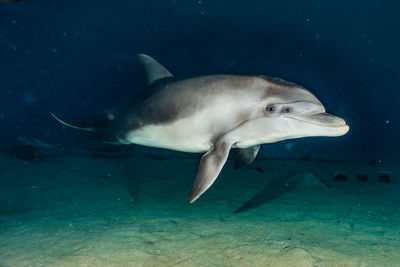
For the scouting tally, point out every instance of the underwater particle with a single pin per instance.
(110, 116)
(29, 98)
(289, 146)
(384, 178)
(362, 177)
(340, 177)
(374, 162)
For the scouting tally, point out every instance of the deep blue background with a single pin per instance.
(76, 58)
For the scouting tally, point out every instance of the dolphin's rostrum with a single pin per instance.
(213, 114)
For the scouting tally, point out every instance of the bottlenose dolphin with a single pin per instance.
(212, 114)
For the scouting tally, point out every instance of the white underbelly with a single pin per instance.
(194, 133)
(188, 135)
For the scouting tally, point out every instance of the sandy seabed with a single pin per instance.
(83, 211)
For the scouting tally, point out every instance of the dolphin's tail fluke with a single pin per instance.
(71, 125)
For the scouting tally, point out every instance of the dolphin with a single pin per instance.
(212, 114)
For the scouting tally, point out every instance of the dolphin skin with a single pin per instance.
(212, 114)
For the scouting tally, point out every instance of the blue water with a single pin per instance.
(78, 58)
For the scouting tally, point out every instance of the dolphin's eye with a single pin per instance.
(270, 108)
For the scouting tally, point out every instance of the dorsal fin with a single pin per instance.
(153, 70)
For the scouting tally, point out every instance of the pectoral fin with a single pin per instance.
(245, 156)
(210, 166)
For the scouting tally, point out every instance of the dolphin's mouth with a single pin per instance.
(321, 119)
